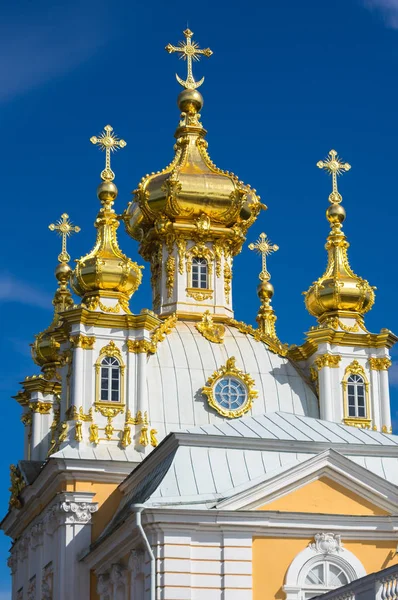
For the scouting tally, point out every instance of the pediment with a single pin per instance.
(328, 483)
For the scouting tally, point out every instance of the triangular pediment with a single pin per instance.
(328, 483)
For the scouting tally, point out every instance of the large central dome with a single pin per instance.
(192, 189)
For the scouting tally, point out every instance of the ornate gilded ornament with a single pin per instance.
(82, 341)
(211, 331)
(153, 438)
(266, 317)
(380, 364)
(93, 433)
(158, 335)
(189, 51)
(170, 268)
(227, 281)
(77, 414)
(264, 247)
(335, 167)
(64, 227)
(109, 142)
(78, 431)
(126, 437)
(105, 272)
(43, 408)
(199, 294)
(273, 343)
(231, 375)
(339, 293)
(17, 485)
(327, 360)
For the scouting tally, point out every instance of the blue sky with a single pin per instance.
(287, 82)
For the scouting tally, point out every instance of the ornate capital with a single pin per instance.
(118, 574)
(82, 341)
(136, 562)
(69, 513)
(327, 360)
(327, 543)
(380, 364)
(43, 408)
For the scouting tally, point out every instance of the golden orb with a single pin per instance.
(62, 272)
(190, 97)
(265, 290)
(335, 213)
(107, 191)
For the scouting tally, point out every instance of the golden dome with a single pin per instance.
(339, 293)
(191, 190)
(106, 271)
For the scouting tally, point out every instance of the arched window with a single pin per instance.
(199, 272)
(357, 410)
(110, 379)
(323, 577)
(356, 396)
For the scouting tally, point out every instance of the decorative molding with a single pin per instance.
(77, 414)
(36, 535)
(327, 360)
(326, 543)
(77, 512)
(83, 341)
(136, 562)
(355, 368)
(32, 588)
(380, 364)
(43, 408)
(118, 575)
(12, 562)
(158, 335)
(210, 330)
(16, 487)
(170, 268)
(199, 294)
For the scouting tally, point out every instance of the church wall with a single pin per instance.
(272, 557)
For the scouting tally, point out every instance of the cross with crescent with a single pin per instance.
(333, 165)
(109, 142)
(264, 247)
(64, 228)
(189, 51)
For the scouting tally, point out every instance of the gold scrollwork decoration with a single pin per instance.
(93, 434)
(380, 364)
(199, 294)
(158, 335)
(83, 341)
(170, 268)
(78, 431)
(327, 360)
(77, 414)
(230, 370)
(211, 331)
(43, 408)
(17, 485)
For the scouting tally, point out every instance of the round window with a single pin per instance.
(230, 393)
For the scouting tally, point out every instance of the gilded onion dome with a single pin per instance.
(339, 293)
(45, 349)
(191, 191)
(106, 272)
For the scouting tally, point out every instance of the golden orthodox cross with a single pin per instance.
(64, 228)
(189, 51)
(335, 167)
(109, 142)
(264, 247)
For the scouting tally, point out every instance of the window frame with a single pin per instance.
(109, 351)
(200, 270)
(365, 422)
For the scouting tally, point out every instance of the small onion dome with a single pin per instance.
(191, 187)
(106, 269)
(339, 292)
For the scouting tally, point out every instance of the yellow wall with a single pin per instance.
(326, 497)
(272, 557)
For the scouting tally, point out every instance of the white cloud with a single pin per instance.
(14, 290)
(388, 10)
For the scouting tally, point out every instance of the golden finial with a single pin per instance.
(335, 167)
(64, 228)
(189, 50)
(109, 142)
(264, 247)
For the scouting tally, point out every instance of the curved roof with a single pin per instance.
(185, 360)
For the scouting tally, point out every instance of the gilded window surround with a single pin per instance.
(199, 250)
(230, 369)
(199, 294)
(113, 351)
(355, 368)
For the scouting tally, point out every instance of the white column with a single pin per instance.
(77, 377)
(385, 401)
(131, 395)
(375, 400)
(325, 394)
(36, 435)
(142, 396)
